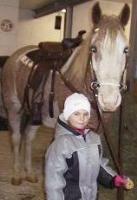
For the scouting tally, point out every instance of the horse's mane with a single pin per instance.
(76, 67)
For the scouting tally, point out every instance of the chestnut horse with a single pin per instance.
(99, 61)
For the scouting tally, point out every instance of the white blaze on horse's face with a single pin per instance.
(108, 62)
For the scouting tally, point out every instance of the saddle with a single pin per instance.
(54, 51)
(69, 43)
(49, 56)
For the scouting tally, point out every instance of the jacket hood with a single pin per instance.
(62, 127)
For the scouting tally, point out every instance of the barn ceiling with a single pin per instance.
(36, 4)
(45, 7)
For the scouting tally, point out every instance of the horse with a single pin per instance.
(98, 63)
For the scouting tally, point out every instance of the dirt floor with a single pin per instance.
(29, 191)
(26, 191)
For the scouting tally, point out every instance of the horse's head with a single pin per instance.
(109, 48)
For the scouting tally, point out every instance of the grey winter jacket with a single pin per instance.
(74, 165)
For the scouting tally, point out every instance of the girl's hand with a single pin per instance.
(122, 181)
(129, 184)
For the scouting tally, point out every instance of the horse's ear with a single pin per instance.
(124, 15)
(96, 13)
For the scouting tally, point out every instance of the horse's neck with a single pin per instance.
(61, 91)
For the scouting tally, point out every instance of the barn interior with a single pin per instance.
(30, 22)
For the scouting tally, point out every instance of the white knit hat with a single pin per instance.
(74, 103)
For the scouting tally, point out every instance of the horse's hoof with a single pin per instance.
(16, 181)
(32, 179)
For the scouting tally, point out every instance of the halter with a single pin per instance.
(95, 84)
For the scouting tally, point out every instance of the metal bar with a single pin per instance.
(68, 22)
(132, 69)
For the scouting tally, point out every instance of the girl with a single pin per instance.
(74, 163)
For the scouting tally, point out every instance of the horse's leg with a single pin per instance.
(29, 137)
(14, 121)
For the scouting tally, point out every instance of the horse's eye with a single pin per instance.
(93, 49)
(126, 50)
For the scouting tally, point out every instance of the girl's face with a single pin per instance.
(79, 119)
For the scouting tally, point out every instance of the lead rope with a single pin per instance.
(120, 191)
(107, 138)
(117, 161)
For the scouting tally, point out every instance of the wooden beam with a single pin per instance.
(56, 6)
(132, 68)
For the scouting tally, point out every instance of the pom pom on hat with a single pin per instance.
(74, 103)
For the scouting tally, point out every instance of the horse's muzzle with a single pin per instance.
(109, 103)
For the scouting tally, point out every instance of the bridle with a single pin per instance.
(95, 84)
